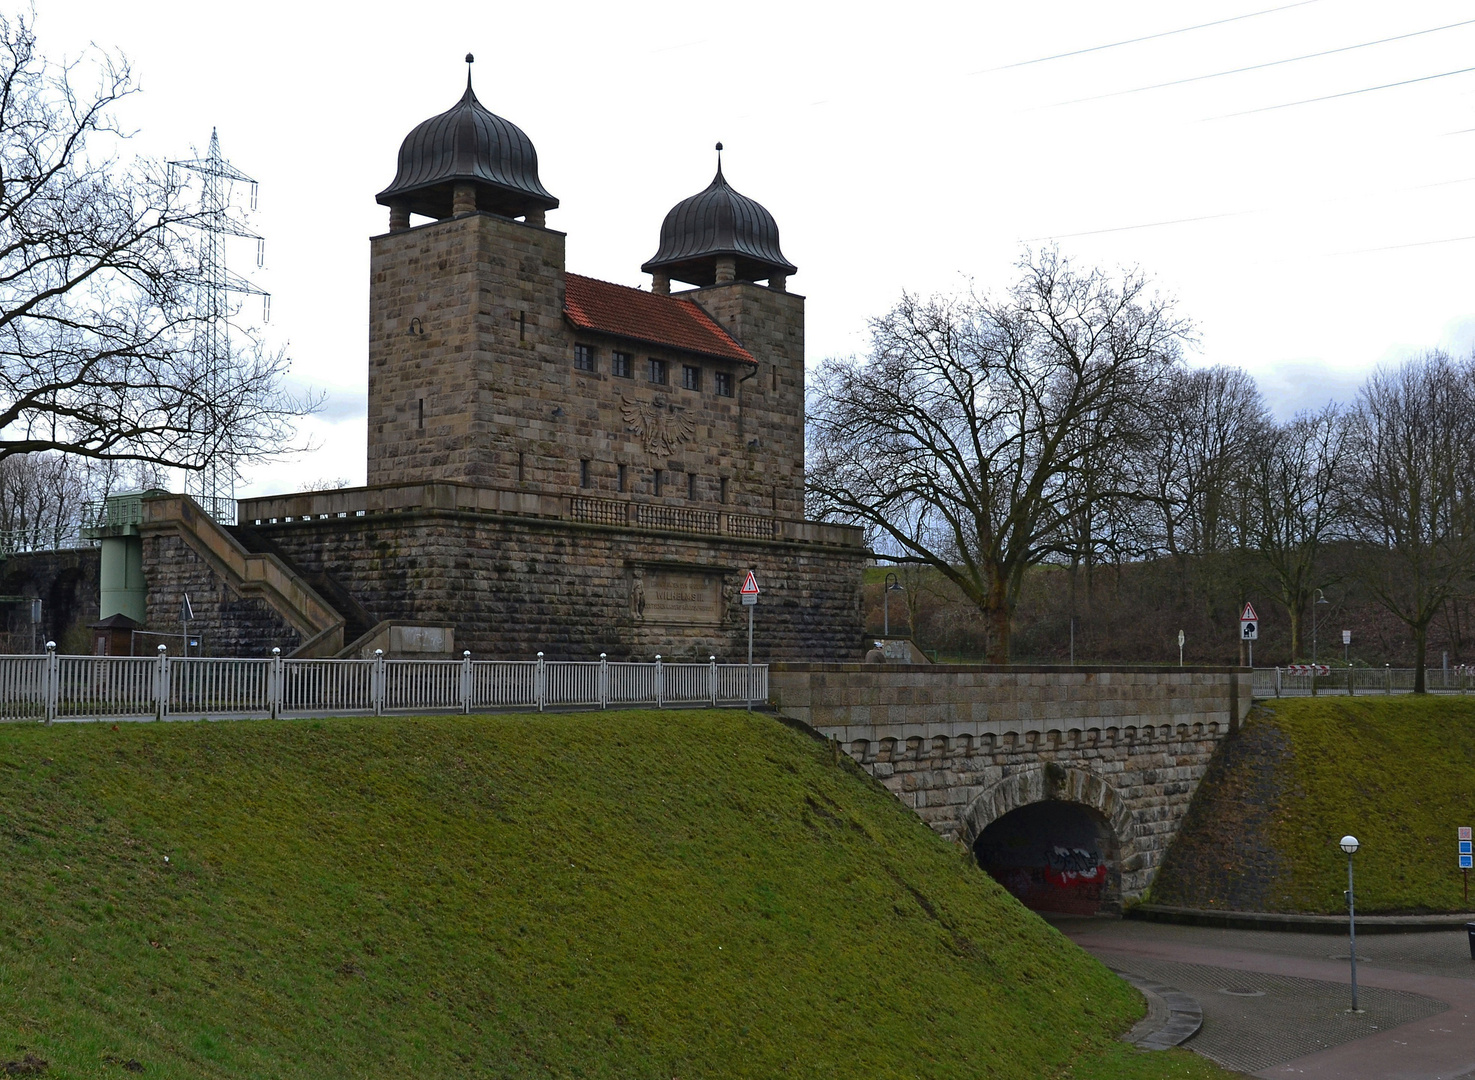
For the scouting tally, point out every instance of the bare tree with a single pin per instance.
(99, 286)
(1413, 441)
(979, 413)
(1298, 486)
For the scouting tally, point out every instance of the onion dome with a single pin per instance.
(718, 225)
(468, 144)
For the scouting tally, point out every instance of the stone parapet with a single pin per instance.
(642, 514)
(964, 745)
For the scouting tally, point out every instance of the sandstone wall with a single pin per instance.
(230, 624)
(964, 745)
(515, 585)
(472, 379)
(66, 582)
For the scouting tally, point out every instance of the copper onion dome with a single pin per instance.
(468, 143)
(716, 223)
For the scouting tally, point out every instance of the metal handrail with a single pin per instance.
(55, 687)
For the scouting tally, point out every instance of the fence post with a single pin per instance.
(540, 683)
(274, 693)
(1349, 681)
(1277, 682)
(1313, 680)
(466, 681)
(376, 683)
(712, 679)
(1389, 669)
(660, 684)
(161, 683)
(603, 680)
(51, 681)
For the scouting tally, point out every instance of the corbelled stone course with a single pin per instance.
(964, 745)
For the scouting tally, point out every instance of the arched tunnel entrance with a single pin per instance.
(1054, 856)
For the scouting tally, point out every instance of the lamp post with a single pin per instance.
(1319, 601)
(891, 584)
(1349, 845)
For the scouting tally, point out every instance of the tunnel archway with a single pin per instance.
(1057, 838)
(1054, 856)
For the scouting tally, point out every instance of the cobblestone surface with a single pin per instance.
(1253, 1020)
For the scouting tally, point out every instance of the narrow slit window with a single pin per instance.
(521, 471)
(691, 486)
(584, 473)
(722, 490)
(421, 422)
(658, 481)
(623, 485)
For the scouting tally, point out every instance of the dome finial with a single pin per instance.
(719, 160)
(469, 61)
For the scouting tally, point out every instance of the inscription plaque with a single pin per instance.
(678, 597)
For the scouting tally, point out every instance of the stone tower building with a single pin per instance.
(555, 463)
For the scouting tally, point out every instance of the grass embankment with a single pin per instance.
(596, 895)
(1396, 772)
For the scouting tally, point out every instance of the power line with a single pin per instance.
(1145, 37)
(1144, 225)
(1260, 67)
(1344, 93)
(1399, 247)
(1257, 210)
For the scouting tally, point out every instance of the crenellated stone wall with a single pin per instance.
(964, 745)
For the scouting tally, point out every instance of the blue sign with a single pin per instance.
(1467, 861)
(1465, 848)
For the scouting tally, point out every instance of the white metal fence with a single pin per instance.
(53, 687)
(1286, 682)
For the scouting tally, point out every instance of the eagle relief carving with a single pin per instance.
(660, 426)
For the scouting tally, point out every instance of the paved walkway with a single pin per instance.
(1276, 1005)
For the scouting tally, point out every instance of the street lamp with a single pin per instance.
(1319, 601)
(892, 584)
(1349, 845)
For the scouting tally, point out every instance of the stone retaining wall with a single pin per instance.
(964, 745)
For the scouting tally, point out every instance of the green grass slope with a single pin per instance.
(1396, 772)
(672, 895)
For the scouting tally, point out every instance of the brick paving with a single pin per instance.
(1417, 992)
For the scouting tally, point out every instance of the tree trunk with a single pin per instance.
(999, 618)
(1421, 650)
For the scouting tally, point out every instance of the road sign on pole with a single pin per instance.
(1249, 628)
(750, 601)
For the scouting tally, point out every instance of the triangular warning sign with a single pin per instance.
(750, 586)
(1248, 615)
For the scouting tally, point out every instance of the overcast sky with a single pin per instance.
(1313, 219)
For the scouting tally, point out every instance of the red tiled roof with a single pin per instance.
(658, 320)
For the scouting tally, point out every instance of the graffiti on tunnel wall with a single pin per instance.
(1050, 856)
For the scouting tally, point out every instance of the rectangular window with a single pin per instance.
(521, 473)
(584, 474)
(658, 482)
(622, 364)
(722, 489)
(723, 380)
(691, 486)
(421, 424)
(623, 485)
(584, 357)
(657, 371)
(691, 377)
